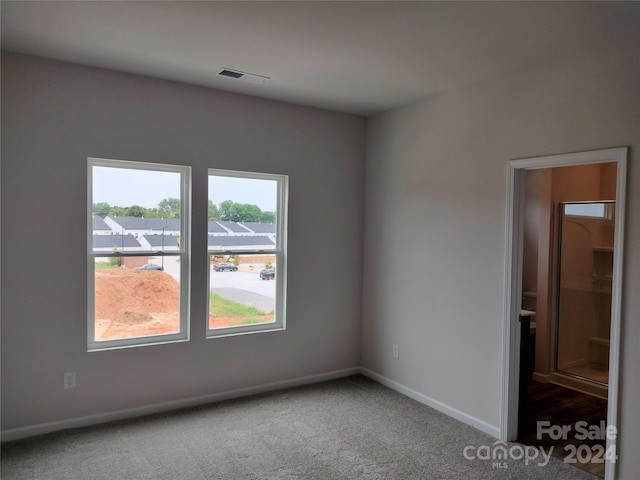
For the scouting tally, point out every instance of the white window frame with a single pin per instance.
(184, 254)
(280, 253)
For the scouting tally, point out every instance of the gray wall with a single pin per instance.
(435, 224)
(434, 230)
(54, 116)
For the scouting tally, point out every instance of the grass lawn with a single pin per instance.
(101, 265)
(235, 313)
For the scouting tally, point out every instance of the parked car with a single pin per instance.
(150, 266)
(268, 274)
(224, 266)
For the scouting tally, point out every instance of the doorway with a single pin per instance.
(548, 335)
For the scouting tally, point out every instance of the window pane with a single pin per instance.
(585, 209)
(138, 237)
(246, 238)
(135, 209)
(242, 213)
(243, 290)
(136, 296)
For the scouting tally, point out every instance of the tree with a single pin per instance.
(251, 213)
(227, 210)
(135, 211)
(115, 261)
(118, 212)
(101, 209)
(244, 212)
(214, 213)
(268, 217)
(169, 208)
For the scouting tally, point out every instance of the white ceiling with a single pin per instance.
(350, 56)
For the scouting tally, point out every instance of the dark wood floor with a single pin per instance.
(561, 406)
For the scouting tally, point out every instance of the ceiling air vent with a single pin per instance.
(230, 73)
(243, 76)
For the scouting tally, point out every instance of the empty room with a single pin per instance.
(320, 240)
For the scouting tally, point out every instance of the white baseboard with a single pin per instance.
(88, 420)
(435, 404)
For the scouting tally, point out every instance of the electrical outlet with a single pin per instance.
(70, 380)
(395, 351)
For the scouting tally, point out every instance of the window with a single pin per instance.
(247, 252)
(590, 209)
(138, 253)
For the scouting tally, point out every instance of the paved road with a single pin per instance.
(248, 281)
(242, 287)
(251, 299)
(245, 287)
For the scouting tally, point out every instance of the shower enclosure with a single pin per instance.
(584, 290)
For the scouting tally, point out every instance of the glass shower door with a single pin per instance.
(584, 290)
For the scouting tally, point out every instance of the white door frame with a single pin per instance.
(513, 282)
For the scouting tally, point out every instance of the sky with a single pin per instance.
(125, 187)
(244, 190)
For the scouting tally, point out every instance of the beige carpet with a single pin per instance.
(342, 429)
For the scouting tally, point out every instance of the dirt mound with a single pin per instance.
(132, 303)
